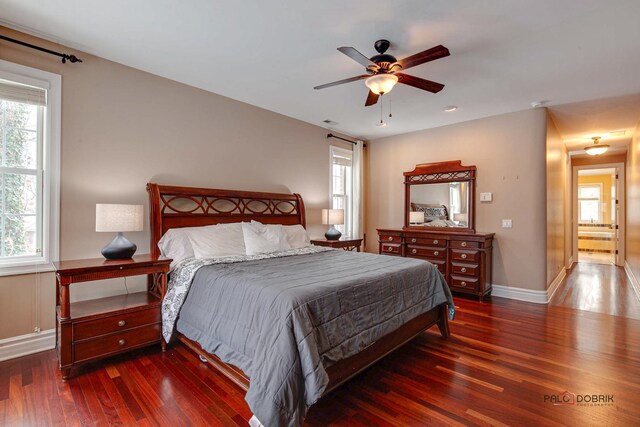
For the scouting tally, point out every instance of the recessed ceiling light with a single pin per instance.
(330, 122)
(450, 108)
(381, 124)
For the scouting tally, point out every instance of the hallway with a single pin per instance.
(598, 288)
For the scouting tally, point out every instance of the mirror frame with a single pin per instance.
(441, 172)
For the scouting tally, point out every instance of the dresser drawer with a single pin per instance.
(391, 239)
(390, 248)
(466, 284)
(416, 251)
(438, 242)
(467, 256)
(117, 322)
(464, 244)
(115, 342)
(465, 269)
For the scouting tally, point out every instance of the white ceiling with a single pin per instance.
(505, 54)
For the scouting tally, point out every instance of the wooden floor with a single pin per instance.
(600, 288)
(503, 358)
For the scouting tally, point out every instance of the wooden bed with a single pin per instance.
(175, 207)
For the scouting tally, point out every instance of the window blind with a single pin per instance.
(16, 92)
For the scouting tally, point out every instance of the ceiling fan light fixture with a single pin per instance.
(596, 149)
(381, 83)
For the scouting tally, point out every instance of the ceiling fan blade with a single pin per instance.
(372, 99)
(359, 58)
(423, 84)
(339, 82)
(425, 56)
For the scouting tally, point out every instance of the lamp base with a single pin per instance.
(332, 234)
(119, 248)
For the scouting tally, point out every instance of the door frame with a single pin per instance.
(621, 196)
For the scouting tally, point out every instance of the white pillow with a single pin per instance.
(297, 236)
(218, 240)
(175, 244)
(259, 238)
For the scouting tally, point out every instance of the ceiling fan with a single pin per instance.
(383, 70)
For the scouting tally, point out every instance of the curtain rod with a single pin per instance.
(64, 56)
(330, 135)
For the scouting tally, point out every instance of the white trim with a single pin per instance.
(22, 345)
(51, 166)
(633, 280)
(529, 295)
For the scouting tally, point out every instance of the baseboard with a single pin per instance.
(529, 295)
(22, 345)
(569, 263)
(633, 280)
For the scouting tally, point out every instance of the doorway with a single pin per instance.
(598, 214)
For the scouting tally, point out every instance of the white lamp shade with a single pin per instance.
(462, 217)
(118, 218)
(416, 217)
(381, 83)
(333, 216)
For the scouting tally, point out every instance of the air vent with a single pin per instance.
(618, 133)
(329, 122)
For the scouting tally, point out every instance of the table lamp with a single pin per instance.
(332, 217)
(461, 218)
(416, 218)
(118, 219)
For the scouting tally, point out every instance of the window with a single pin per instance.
(29, 164)
(589, 202)
(342, 186)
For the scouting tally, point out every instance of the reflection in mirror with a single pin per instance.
(439, 205)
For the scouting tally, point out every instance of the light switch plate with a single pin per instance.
(486, 197)
(507, 223)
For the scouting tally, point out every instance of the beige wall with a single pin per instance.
(122, 128)
(633, 204)
(556, 185)
(509, 151)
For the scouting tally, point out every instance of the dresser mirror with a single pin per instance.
(440, 196)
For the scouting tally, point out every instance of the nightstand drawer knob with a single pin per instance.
(463, 270)
(122, 323)
(463, 244)
(121, 268)
(390, 238)
(436, 253)
(463, 284)
(414, 251)
(389, 249)
(463, 256)
(413, 240)
(435, 242)
(121, 342)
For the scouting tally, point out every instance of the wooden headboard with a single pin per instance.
(176, 207)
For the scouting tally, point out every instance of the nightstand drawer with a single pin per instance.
(390, 249)
(117, 322)
(116, 342)
(426, 252)
(391, 239)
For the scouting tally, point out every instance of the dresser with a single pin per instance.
(463, 258)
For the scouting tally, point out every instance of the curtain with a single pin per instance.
(358, 190)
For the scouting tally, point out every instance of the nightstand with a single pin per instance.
(93, 329)
(346, 244)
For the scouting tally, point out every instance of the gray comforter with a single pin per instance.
(284, 320)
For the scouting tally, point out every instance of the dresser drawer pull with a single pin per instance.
(389, 249)
(413, 240)
(463, 244)
(435, 242)
(122, 323)
(463, 270)
(390, 238)
(121, 268)
(436, 253)
(463, 284)
(463, 256)
(121, 342)
(414, 251)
